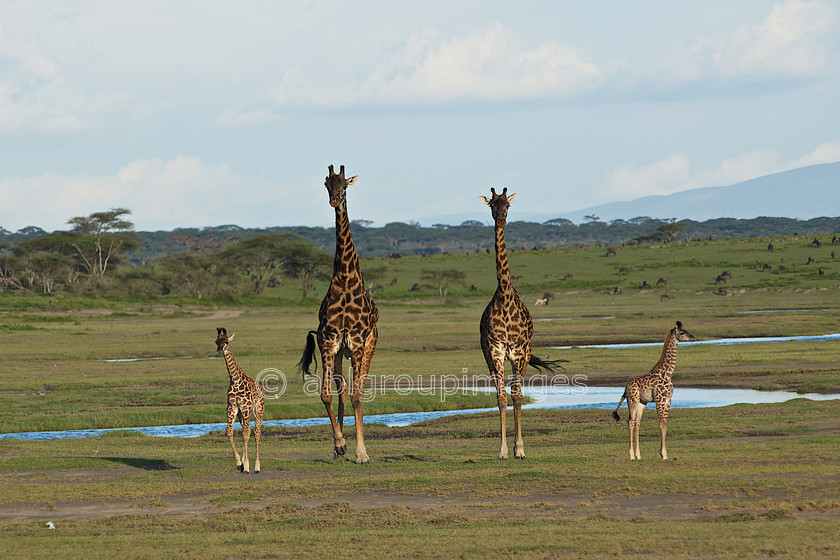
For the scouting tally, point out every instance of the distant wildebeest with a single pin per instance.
(721, 279)
(816, 242)
(835, 240)
(767, 266)
(781, 268)
(610, 251)
(662, 282)
(394, 281)
(567, 276)
(645, 285)
(721, 291)
(757, 265)
(770, 247)
(822, 272)
(548, 296)
(810, 260)
(624, 270)
(616, 291)
(664, 297)
(415, 287)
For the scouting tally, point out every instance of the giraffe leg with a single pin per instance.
(232, 412)
(641, 409)
(328, 351)
(517, 397)
(497, 369)
(630, 423)
(340, 388)
(363, 359)
(258, 418)
(245, 420)
(635, 424)
(662, 414)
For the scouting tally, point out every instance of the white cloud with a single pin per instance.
(828, 152)
(674, 174)
(162, 194)
(793, 40)
(663, 177)
(486, 65)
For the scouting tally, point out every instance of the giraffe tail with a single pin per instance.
(308, 356)
(541, 364)
(615, 412)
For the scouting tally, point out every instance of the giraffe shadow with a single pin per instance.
(143, 464)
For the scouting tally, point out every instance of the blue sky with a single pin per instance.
(203, 113)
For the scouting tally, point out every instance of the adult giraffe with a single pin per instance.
(346, 325)
(506, 329)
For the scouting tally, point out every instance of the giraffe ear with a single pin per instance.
(511, 197)
(484, 199)
(230, 338)
(352, 180)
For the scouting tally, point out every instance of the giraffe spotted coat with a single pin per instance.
(245, 397)
(655, 386)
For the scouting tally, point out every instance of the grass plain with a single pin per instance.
(747, 481)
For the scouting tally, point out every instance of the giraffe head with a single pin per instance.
(337, 186)
(499, 205)
(222, 339)
(682, 334)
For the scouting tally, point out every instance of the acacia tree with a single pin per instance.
(305, 262)
(442, 278)
(99, 238)
(259, 257)
(42, 259)
(9, 279)
(200, 269)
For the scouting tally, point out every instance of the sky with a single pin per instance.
(206, 113)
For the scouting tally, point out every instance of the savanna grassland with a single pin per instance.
(745, 481)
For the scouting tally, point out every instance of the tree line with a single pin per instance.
(228, 261)
(87, 259)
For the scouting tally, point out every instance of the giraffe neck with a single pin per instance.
(346, 260)
(233, 368)
(502, 269)
(668, 361)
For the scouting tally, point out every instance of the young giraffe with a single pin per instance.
(506, 329)
(347, 325)
(654, 386)
(244, 396)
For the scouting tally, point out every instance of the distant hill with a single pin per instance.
(803, 194)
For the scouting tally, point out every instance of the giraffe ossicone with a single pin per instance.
(245, 396)
(655, 386)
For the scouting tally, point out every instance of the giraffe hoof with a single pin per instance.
(240, 468)
(340, 451)
(519, 456)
